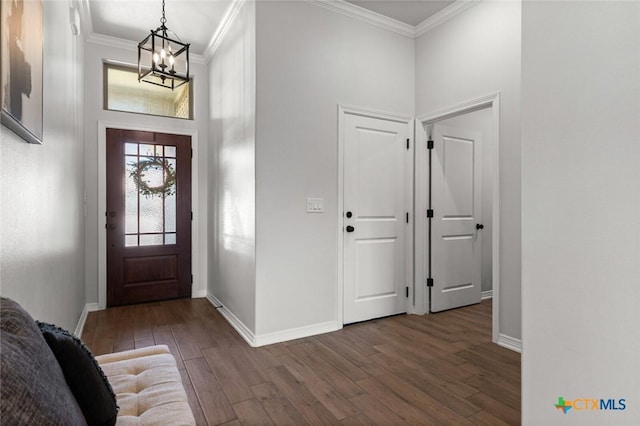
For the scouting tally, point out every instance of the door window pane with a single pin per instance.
(170, 151)
(170, 213)
(131, 195)
(151, 240)
(130, 240)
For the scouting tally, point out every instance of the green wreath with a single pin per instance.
(168, 186)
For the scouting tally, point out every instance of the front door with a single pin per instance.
(148, 216)
(456, 223)
(378, 170)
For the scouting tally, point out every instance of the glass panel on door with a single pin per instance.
(150, 194)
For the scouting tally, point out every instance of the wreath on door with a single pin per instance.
(168, 186)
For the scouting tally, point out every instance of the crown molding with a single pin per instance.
(84, 10)
(109, 41)
(444, 15)
(228, 18)
(339, 6)
(124, 44)
(353, 11)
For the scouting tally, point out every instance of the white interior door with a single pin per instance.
(455, 237)
(377, 198)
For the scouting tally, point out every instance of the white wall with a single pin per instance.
(482, 121)
(309, 60)
(470, 56)
(96, 54)
(41, 191)
(232, 161)
(580, 209)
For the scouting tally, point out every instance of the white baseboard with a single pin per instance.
(486, 295)
(89, 307)
(296, 333)
(510, 343)
(275, 337)
(238, 325)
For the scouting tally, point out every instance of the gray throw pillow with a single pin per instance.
(84, 376)
(34, 390)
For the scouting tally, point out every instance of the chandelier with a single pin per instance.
(163, 59)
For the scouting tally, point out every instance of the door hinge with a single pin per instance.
(407, 143)
(429, 144)
(430, 213)
(191, 278)
(407, 217)
(191, 152)
(406, 292)
(191, 215)
(429, 282)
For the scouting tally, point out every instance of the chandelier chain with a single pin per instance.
(163, 20)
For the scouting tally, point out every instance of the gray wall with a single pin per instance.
(473, 55)
(580, 209)
(42, 188)
(309, 60)
(232, 99)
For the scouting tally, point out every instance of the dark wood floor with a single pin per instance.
(436, 369)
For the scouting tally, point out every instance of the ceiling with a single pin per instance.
(195, 21)
(409, 12)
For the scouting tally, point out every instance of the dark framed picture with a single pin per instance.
(21, 51)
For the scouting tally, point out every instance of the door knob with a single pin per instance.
(350, 228)
(349, 214)
(479, 226)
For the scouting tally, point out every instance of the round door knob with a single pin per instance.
(349, 214)
(350, 228)
(479, 226)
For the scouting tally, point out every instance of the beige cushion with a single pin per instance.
(148, 387)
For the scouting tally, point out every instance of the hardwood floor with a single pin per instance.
(408, 369)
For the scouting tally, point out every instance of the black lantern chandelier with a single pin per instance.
(163, 60)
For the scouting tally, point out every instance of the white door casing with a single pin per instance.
(456, 249)
(377, 191)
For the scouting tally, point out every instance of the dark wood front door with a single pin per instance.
(148, 216)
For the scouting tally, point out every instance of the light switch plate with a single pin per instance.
(315, 205)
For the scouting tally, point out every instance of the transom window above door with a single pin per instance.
(123, 92)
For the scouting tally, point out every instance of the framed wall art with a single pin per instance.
(21, 51)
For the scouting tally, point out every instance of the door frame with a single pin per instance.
(421, 225)
(102, 201)
(382, 115)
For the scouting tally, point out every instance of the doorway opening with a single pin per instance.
(457, 240)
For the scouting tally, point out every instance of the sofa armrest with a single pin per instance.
(134, 353)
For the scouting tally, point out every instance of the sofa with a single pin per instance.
(48, 377)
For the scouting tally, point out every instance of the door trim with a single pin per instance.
(489, 101)
(372, 113)
(102, 203)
